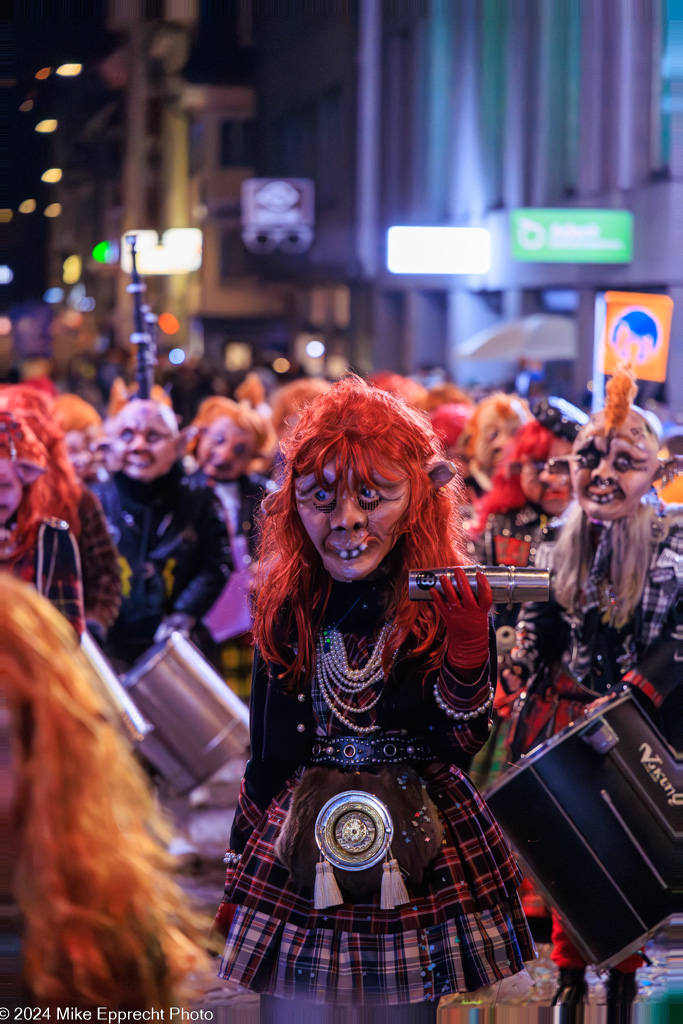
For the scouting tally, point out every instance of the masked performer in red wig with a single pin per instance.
(37, 504)
(355, 686)
(71, 502)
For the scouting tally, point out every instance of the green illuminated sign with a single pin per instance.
(572, 236)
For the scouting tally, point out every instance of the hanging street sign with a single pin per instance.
(278, 213)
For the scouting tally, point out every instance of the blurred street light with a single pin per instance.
(26, 106)
(28, 206)
(315, 349)
(53, 210)
(69, 70)
(281, 365)
(6, 274)
(44, 73)
(71, 269)
(46, 126)
(52, 175)
(106, 252)
(168, 323)
(6, 215)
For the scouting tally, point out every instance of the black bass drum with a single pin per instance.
(594, 814)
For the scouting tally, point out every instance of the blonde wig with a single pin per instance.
(288, 401)
(104, 922)
(507, 408)
(633, 543)
(217, 407)
(71, 412)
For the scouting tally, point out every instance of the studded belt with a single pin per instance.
(354, 750)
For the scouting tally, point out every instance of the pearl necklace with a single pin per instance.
(338, 680)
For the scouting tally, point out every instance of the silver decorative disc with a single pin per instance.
(354, 830)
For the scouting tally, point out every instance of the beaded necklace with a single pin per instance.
(339, 683)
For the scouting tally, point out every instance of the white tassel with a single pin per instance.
(386, 900)
(399, 892)
(326, 892)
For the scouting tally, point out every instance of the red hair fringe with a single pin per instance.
(57, 493)
(531, 442)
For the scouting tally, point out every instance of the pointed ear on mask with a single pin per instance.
(441, 473)
(184, 439)
(29, 472)
(669, 469)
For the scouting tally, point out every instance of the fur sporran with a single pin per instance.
(418, 832)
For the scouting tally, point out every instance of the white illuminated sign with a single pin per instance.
(180, 251)
(412, 250)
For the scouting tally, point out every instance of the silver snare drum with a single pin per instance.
(199, 723)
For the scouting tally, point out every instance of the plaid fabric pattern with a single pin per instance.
(99, 562)
(340, 967)
(556, 695)
(466, 908)
(656, 604)
(60, 581)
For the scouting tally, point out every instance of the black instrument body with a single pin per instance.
(596, 814)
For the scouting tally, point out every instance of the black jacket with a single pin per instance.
(283, 726)
(252, 488)
(174, 553)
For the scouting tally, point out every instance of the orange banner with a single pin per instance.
(637, 329)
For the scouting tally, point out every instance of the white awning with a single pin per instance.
(540, 337)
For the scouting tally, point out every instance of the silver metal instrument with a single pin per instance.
(199, 723)
(126, 714)
(509, 584)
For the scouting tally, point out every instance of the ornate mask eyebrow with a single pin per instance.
(10, 433)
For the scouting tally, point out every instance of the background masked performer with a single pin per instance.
(98, 567)
(487, 436)
(37, 505)
(174, 553)
(612, 618)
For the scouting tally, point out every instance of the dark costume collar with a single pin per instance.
(148, 491)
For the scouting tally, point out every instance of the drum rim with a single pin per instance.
(527, 760)
(151, 658)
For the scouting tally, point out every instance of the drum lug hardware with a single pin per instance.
(600, 736)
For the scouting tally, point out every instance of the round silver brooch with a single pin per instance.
(354, 830)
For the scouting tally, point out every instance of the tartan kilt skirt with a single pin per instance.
(542, 713)
(462, 928)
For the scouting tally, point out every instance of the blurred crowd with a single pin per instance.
(146, 514)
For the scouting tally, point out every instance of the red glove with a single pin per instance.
(466, 618)
(221, 926)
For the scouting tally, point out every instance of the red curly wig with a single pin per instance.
(368, 431)
(532, 442)
(57, 492)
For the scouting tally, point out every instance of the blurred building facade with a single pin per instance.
(457, 114)
(441, 114)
